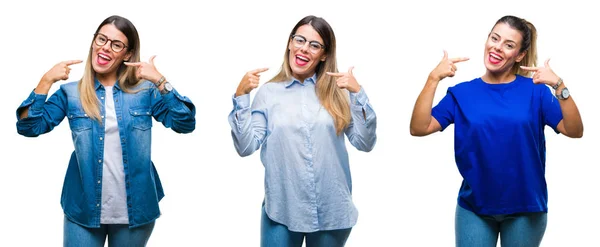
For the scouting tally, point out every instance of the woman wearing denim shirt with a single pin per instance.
(499, 142)
(299, 120)
(111, 187)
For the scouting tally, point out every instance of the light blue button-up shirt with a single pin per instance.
(308, 186)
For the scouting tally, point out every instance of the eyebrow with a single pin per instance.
(508, 40)
(110, 38)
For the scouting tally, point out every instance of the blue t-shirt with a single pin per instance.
(499, 143)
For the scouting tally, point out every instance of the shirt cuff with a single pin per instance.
(35, 102)
(241, 102)
(359, 98)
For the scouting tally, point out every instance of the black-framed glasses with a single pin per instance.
(313, 46)
(115, 45)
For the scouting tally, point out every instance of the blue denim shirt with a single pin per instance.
(82, 188)
(308, 186)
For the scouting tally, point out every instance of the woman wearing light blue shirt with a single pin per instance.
(299, 119)
(111, 187)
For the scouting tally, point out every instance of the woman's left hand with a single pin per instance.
(346, 80)
(544, 74)
(146, 71)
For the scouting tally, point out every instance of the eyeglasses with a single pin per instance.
(115, 45)
(313, 46)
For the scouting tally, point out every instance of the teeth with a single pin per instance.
(302, 58)
(495, 56)
(104, 57)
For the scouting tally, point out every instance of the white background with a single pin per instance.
(405, 189)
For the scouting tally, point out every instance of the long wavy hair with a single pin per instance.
(334, 99)
(126, 75)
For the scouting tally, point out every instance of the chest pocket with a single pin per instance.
(79, 121)
(142, 118)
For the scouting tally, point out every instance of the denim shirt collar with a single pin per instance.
(312, 79)
(97, 84)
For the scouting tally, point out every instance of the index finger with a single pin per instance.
(133, 63)
(335, 74)
(530, 68)
(458, 59)
(256, 71)
(71, 62)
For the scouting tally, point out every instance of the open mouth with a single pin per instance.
(495, 58)
(103, 59)
(301, 60)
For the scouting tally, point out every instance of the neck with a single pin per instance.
(107, 80)
(498, 78)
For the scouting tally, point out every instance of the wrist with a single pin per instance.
(158, 82)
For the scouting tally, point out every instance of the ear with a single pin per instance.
(128, 56)
(521, 56)
(323, 58)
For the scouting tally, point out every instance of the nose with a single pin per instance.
(304, 47)
(498, 46)
(106, 46)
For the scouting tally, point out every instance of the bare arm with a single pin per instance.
(422, 123)
(571, 124)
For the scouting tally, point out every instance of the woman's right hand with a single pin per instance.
(60, 71)
(446, 67)
(249, 81)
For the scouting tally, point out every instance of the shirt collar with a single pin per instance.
(97, 84)
(312, 79)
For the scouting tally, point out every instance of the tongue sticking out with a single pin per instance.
(494, 60)
(102, 61)
(300, 62)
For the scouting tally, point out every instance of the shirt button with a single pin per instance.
(123, 139)
(102, 116)
(125, 161)
(98, 181)
(101, 138)
(119, 118)
(99, 161)
(101, 97)
(98, 205)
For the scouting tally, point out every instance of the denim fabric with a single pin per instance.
(82, 189)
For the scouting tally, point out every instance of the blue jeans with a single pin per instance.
(522, 229)
(274, 234)
(119, 235)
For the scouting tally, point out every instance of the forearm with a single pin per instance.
(571, 117)
(43, 87)
(421, 116)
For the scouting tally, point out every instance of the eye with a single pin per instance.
(315, 46)
(494, 38)
(510, 46)
(118, 45)
(299, 40)
(101, 39)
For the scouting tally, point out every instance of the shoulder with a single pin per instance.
(271, 87)
(70, 88)
(466, 85)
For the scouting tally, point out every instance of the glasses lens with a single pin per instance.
(299, 41)
(117, 46)
(314, 47)
(101, 39)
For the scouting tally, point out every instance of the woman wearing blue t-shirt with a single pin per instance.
(499, 136)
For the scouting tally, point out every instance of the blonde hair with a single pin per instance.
(125, 74)
(334, 99)
(528, 43)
